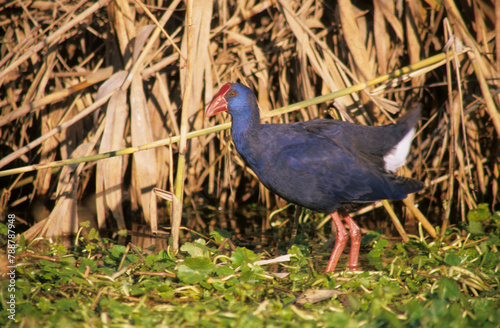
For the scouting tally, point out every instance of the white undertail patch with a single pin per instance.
(397, 156)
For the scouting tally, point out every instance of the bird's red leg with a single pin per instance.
(355, 233)
(340, 242)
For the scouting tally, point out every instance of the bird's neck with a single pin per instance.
(245, 128)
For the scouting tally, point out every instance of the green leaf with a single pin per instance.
(491, 259)
(196, 249)
(137, 290)
(296, 251)
(194, 270)
(375, 255)
(381, 243)
(93, 234)
(85, 224)
(44, 304)
(70, 260)
(371, 237)
(3, 229)
(219, 235)
(452, 259)
(50, 264)
(242, 256)
(81, 281)
(448, 289)
(117, 250)
(481, 213)
(476, 227)
(219, 285)
(224, 270)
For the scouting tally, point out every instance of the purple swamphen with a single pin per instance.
(321, 164)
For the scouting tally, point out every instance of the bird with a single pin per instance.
(322, 164)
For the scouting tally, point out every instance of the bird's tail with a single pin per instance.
(407, 186)
(410, 119)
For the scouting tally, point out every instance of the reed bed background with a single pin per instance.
(85, 78)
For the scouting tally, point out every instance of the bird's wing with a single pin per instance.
(375, 140)
(322, 171)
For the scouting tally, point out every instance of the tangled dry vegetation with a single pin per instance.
(84, 78)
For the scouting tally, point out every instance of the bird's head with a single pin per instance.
(233, 98)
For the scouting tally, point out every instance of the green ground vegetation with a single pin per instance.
(98, 283)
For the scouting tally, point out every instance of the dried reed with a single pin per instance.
(160, 73)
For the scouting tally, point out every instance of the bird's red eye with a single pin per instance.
(232, 93)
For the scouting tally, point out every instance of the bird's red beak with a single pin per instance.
(219, 103)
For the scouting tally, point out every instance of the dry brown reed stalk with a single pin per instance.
(186, 106)
(287, 51)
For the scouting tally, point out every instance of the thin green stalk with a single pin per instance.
(434, 60)
(121, 152)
